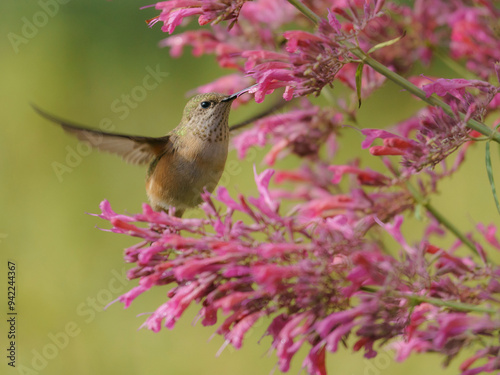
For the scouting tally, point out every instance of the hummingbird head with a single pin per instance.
(207, 107)
(211, 105)
(207, 115)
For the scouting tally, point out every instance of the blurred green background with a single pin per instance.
(81, 58)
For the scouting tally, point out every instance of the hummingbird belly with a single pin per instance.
(179, 178)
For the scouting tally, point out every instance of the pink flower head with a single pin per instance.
(311, 62)
(202, 42)
(473, 37)
(173, 12)
(301, 132)
(437, 136)
(365, 177)
(456, 87)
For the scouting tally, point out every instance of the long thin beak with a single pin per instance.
(239, 93)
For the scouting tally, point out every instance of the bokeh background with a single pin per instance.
(76, 61)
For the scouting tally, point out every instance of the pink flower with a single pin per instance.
(456, 87)
(473, 37)
(202, 42)
(365, 177)
(437, 135)
(173, 12)
(301, 132)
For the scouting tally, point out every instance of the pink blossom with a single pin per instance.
(437, 135)
(273, 13)
(173, 12)
(202, 42)
(473, 37)
(365, 177)
(456, 87)
(489, 233)
(301, 132)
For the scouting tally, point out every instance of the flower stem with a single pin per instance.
(441, 218)
(432, 100)
(436, 301)
(400, 81)
(305, 11)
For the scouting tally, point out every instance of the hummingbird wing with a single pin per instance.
(133, 149)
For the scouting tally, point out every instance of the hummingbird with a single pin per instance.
(182, 164)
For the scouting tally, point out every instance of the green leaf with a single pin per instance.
(386, 44)
(489, 170)
(359, 76)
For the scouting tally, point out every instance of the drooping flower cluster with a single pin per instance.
(313, 253)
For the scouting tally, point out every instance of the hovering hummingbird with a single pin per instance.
(183, 163)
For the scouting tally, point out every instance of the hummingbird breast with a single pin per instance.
(191, 165)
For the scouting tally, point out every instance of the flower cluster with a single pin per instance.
(437, 134)
(300, 61)
(319, 278)
(301, 132)
(312, 252)
(173, 12)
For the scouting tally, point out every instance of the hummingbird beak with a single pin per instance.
(238, 94)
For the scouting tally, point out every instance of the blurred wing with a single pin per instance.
(133, 149)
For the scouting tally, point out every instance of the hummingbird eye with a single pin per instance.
(205, 104)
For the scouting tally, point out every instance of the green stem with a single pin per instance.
(436, 301)
(432, 100)
(305, 11)
(396, 78)
(441, 218)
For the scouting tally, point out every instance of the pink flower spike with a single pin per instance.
(455, 87)
(175, 18)
(236, 335)
(315, 361)
(384, 150)
(489, 234)
(263, 180)
(298, 38)
(333, 339)
(255, 57)
(365, 177)
(334, 22)
(108, 213)
(394, 229)
(372, 134)
(272, 155)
